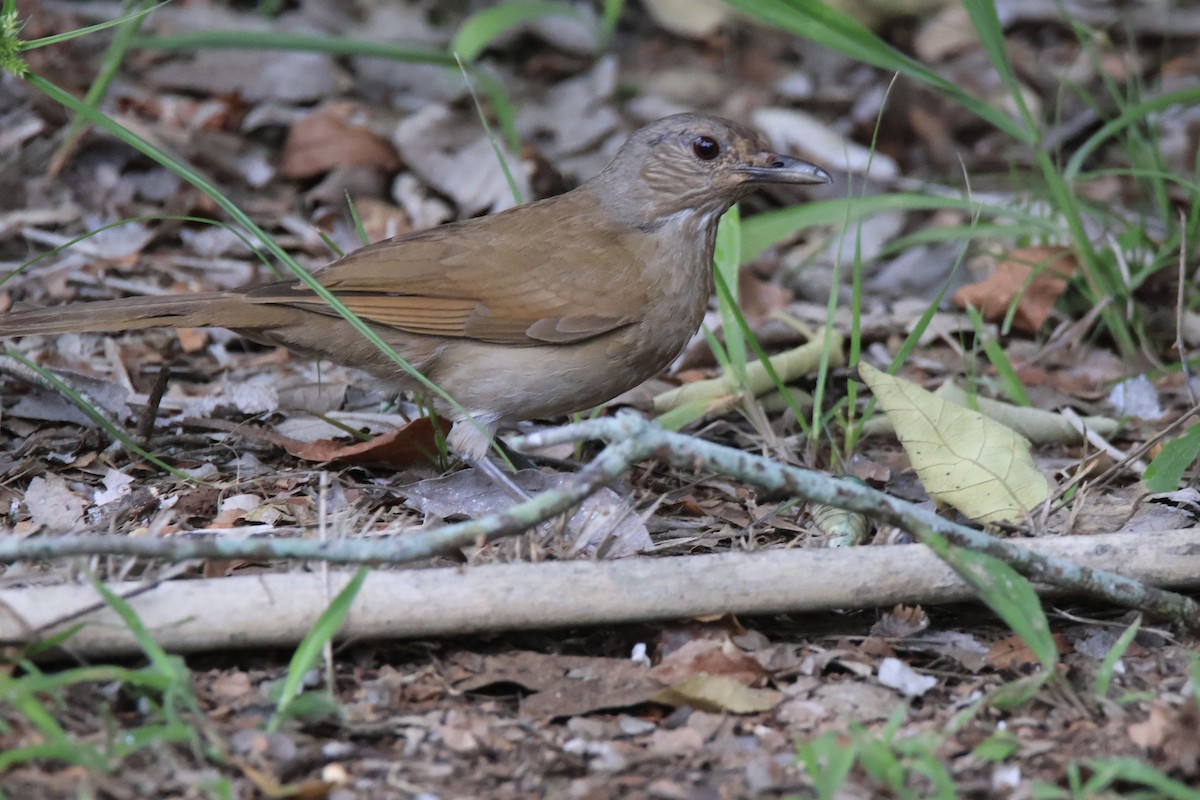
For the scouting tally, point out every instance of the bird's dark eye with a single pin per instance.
(706, 148)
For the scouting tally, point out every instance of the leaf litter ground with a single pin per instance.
(706, 708)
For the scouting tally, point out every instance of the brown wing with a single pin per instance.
(509, 278)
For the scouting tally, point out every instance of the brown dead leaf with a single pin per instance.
(870, 472)
(1151, 732)
(329, 137)
(711, 657)
(719, 627)
(1169, 733)
(269, 786)
(415, 443)
(1013, 655)
(230, 685)
(566, 686)
(1033, 277)
(758, 299)
(667, 742)
(874, 648)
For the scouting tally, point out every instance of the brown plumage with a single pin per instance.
(547, 308)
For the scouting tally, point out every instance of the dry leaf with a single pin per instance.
(52, 505)
(1013, 655)
(328, 138)
(962, 458)
(1032, 277)
(901, 622)
(719, 693)
(711, 657)
(415, 443)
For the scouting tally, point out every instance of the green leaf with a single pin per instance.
(1166, 470)
(1004, 591)
(1141, 773)
(998, 747)
(828, 763)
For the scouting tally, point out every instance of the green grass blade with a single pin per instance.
(727, 260)
(1140, 773)
(763, 230)
(357, 220)
(303, 42)
(1129, 116)
(1105, 673)
(160, 661)
(491, 137)
(146, 218)
(110, 63)
(58, 38)
(991, 36)
(1004, 591)
(609, 16)
(480, 29)
(814, 21)
(104, 673)
(309, 651)
(1009, 381)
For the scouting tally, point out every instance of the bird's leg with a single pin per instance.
(472, 439)
(497, 477)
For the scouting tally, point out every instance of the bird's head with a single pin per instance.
(698, 163)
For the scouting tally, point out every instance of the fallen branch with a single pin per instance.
(196, 615)
(634, 439)
(687, 452)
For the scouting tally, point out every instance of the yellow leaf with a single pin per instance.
(718, 693)
(962, 458)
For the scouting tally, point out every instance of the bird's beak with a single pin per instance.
(784, 169)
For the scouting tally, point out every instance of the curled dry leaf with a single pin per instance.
(1031, 277)
(901, 622)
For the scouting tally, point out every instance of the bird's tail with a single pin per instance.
(209, 310)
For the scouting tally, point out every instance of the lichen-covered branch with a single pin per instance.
(632, 439)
